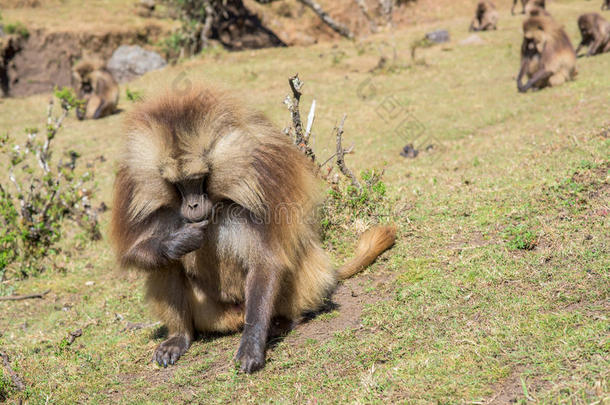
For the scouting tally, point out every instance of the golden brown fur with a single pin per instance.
(260, 254)
(547, 55)
(486, 17)
(97, 87)
(595, 32)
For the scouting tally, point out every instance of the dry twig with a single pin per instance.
(24, 297)
(367, 15)
(293, 105)
(137, 326)
(328, 20)
(341, 156)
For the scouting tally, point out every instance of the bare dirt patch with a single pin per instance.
(511, 389)
(349, 300)
(44, 59)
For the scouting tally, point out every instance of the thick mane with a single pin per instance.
(250, 162)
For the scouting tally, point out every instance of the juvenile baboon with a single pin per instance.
(606, 5)
(528, 3)
(218, 207)
(547, 55)
(97, 87)
(595, 32)
(145, 8)
(485, 18)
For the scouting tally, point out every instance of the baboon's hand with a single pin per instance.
(170, 351)
(185, 240)
(251, 355)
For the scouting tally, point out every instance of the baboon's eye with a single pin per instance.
(179, 188)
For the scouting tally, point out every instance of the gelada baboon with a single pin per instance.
(95, 85)
(527, 5)
(485, 18)
(218, 208)
(606, 5)
(547, 55)
(535, 11)
(595, 32)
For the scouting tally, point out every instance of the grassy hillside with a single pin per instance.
(456, 312)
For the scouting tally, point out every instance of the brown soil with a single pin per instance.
(44, 59)
(349, 300)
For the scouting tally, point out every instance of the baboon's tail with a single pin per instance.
(372, 243)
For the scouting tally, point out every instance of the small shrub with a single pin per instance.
(18, 29)
(5, 386)
(39, 195)
(347, 209)
(521, 237)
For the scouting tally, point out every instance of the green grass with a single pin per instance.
(497, 289)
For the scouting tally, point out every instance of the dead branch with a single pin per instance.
(345, 152)
(207, 24)
(328, 20)
(17, 381)
(137, 326)
(293, 105)
(387, 8)
(341, 156)
(24, 297)
(367, 15)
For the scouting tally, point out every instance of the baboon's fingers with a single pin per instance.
(170, 351)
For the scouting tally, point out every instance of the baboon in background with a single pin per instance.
(534, 11)
(528, 3)
(606, 5)
(485, 18)
(217, 206)
(95, 85)
(595, 32)
(547, 55)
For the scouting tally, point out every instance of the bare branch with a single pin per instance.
(367, 15)
(14, 377)
(341, 156)
(293, 105)
(137, 326)
(310, 119)
(207, 24)
(328, 20)
(24, 297)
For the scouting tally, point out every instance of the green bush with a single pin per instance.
(346, 208)
(521, 237)
(18, 29)
(38, 194)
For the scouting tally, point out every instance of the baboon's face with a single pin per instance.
(196, 205)
(585, 29)
(534, 40)
(190, 178)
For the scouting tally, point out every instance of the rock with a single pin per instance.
(438, 36)
(130, 61)
(473, 39)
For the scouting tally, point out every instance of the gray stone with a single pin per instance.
(130, 61)
(438, 36)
